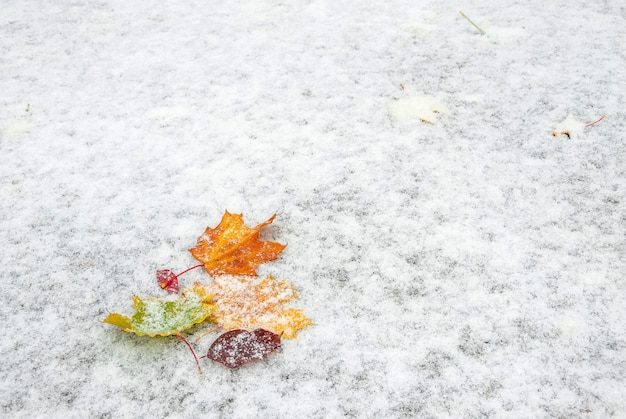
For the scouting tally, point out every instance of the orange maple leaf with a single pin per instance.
(244, 303)
(233, 248)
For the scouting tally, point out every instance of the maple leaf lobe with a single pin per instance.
(233, 248)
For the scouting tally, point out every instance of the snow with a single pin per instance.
(424, 108)
(569, 126)
(471, 267)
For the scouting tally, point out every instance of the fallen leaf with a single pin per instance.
(239, 347)
(168, 280)
(568, 126)
(236, 303)
(233, 248)
(244, 303)
(157, 316)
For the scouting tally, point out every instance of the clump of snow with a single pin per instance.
(568, 127)
(16, 129)
(424, 108)
(571, 325)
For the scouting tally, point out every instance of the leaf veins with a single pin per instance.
(233, 248)
(242, 303)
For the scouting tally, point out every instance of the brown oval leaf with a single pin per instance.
(239, 347)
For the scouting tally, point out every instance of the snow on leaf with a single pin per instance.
(168, 280)
(239, 347)
(233, 248)
(568, 127)
(156, 316)
(243, 303)
(424, 108)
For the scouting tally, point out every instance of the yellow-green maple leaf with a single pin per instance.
(156, 316)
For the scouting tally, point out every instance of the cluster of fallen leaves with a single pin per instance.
(251, 312)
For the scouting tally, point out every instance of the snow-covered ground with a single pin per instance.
(472, 267)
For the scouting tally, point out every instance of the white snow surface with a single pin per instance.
(474, 267)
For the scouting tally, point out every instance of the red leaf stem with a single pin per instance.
(181, 337)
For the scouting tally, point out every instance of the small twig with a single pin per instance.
(470, 21)
(207, 333)
(595, 122)
(187, 270)
(181, 337)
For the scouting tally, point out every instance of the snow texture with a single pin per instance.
(424, 108)
(474, 267)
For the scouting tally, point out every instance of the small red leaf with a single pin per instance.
(168, 280)
(239, 347)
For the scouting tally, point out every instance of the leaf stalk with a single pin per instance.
(470, 21)
(181, 337)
